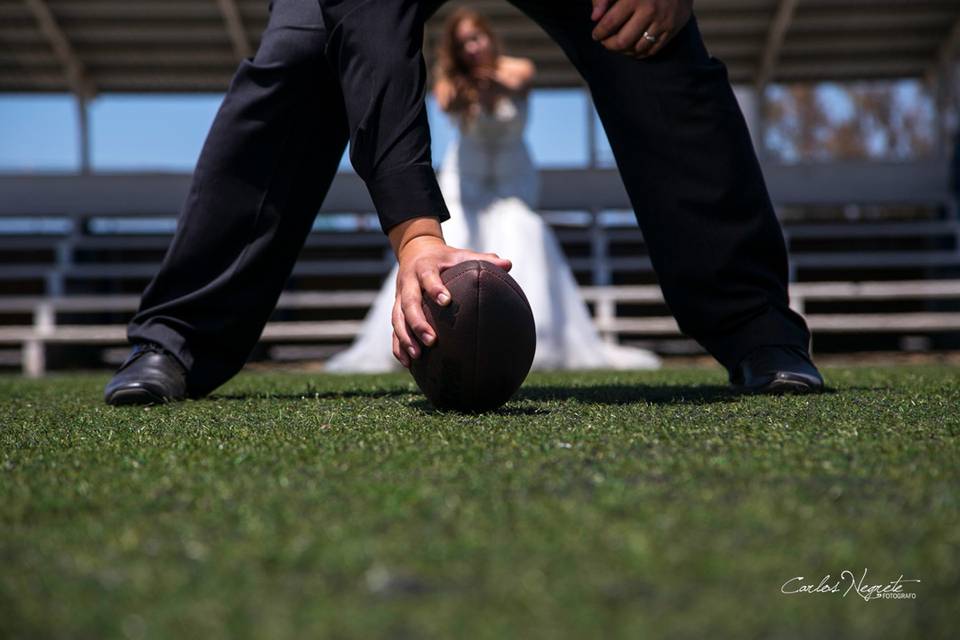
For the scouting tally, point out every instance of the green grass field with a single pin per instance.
(649, 504)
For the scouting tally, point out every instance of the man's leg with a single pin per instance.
(686, 158)
(267, 163)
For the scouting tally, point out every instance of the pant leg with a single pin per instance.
(685, 155)
(266, 165)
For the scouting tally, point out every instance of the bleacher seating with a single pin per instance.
(886, 275)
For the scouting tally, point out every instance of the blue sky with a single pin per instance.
(165, 132)
(38, 133)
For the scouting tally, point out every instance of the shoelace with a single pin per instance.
(140, 349)
(147, 347)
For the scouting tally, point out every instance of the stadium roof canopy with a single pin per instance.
(95, 46)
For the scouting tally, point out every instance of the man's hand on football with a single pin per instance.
(624, 25)
(422, 254)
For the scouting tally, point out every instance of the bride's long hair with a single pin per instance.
(451, 66)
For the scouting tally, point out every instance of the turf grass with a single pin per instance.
(605, 504)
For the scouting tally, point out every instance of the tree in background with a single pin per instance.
(831, 121)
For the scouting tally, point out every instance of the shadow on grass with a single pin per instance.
(310, 394)
(609, 394)
(423, 405)
(617, 394)
(613, 394)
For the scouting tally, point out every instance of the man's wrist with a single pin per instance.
(425, 228)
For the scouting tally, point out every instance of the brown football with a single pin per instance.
(485, 343)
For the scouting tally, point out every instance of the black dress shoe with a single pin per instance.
(150, 375)
(777, 369)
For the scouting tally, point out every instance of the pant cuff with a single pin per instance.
(166, 337)
(772, 327)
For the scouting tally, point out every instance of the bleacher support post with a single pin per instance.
(35, 349)
(600, 276)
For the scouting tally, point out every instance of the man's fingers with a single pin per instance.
(399, 353)
(410, 303)
(644, 46)
(664, 35)
(406, 345)
(456, 257)
(612, 20)
(665, 29)
(431, 283)
(630, 37)
(599, 8)
(503, 263)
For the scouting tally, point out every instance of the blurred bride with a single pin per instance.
(490, 186)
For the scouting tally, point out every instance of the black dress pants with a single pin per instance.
(330, 71)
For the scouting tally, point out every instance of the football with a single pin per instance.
(486, 340)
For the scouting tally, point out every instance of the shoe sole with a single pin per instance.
(781, 386)
(141, 396)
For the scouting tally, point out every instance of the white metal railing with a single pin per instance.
(611, 326)
(44, 328)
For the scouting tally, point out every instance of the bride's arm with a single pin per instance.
(445, 94)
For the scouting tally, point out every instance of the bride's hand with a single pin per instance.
(513, 75)
(422, 256)
(488, 78)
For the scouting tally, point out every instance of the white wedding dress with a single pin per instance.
(490, 186)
